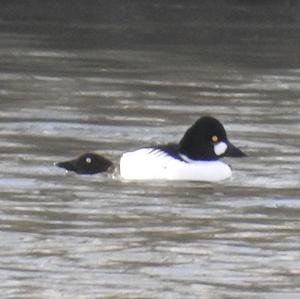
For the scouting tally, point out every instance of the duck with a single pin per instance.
(197, 157)
(88, 163)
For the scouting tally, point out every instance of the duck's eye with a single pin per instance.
(88, 160)
(214, 138)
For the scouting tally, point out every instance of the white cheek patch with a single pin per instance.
(220, 148)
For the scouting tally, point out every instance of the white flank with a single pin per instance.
(220, 148)
(153, 164)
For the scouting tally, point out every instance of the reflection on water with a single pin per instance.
(70, 236)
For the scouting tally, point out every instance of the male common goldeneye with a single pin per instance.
(196, 157)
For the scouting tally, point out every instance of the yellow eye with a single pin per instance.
(214, 138)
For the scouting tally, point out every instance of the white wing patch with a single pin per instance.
(153, 164)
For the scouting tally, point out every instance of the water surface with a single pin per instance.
(69, 236)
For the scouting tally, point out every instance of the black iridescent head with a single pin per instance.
(206, 139)
(89, 163)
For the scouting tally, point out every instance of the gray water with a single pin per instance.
(69, 236)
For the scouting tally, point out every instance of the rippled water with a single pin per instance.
(69, 236)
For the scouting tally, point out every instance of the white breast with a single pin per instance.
(152, 164)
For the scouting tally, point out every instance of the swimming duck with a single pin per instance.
(197, 157)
